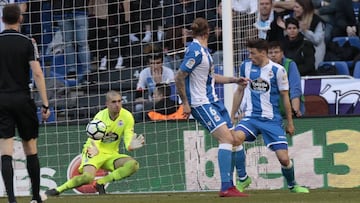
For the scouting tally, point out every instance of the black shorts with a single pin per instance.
(18, 111)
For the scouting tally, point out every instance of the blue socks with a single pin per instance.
(288, 173)
(239, 162)
(224, 160)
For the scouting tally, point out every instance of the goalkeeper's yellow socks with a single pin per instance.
(128, 169)
(76, 181)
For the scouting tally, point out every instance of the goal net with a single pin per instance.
(88, 50)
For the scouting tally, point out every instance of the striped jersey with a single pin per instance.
(262, 94)
(199, 84)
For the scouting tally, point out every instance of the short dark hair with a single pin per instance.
(11, 14)
(259, 44)
(153, 52)
(275, 44)
(291, 20)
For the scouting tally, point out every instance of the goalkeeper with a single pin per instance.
(104, 153)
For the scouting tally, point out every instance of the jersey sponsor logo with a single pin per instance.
(259, 86)
(190, 63)
(110, 137)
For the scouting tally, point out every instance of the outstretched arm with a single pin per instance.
(226, 80)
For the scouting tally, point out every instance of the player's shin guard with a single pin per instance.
(129, 168)
(33, 167)
(7, 172)
(288, 173)
(76, 181)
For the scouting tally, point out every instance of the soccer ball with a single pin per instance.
(96, 129)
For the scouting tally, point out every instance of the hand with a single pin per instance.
(137, 142)
(186, 110)
(297, 113)
(290, 128)
(351, 30)
(45, 112)
(156, 74)
(92, 150)
(242, 81)
(280, 22)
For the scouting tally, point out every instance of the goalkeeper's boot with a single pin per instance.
(52, 192)
(299, 189)
(241, 185)
(232, 192)
(100, 188)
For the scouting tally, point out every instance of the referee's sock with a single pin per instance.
(7, 172)
(33, 168)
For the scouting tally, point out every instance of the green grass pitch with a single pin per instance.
(256, 196)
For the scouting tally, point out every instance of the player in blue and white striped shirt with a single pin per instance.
(195, 84)
(261, 113)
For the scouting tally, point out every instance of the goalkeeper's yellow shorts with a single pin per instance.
(101, 160)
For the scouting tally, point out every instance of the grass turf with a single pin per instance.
(256, 196)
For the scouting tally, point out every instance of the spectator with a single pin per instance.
(178, 16)
(276, 54)
(347, 18)
(151, 19)
(312, 27)
(244, 19)
(162, 107)
(99, 33)
(150, 76)
(265, 16)
(215, 38)
(299, 49)
(72, 18)
(326, 11)
(271, 20)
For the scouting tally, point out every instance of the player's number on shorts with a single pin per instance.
(214, 114)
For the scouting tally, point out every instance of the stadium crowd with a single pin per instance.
(91, 42)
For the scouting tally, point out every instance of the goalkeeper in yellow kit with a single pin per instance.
(104, 153)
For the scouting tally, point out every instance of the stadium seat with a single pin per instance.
(316, 105)
(58, 71)
(354, 41)
(341, 66)
(356, 73)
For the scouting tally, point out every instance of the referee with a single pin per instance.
(17, 109)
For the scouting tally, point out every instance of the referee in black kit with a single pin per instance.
(17, 109)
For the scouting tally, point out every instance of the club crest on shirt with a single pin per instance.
(190, 63)
(271, 74)
(259, 86)
(120, 123)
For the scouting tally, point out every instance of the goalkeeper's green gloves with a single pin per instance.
(137, 142)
